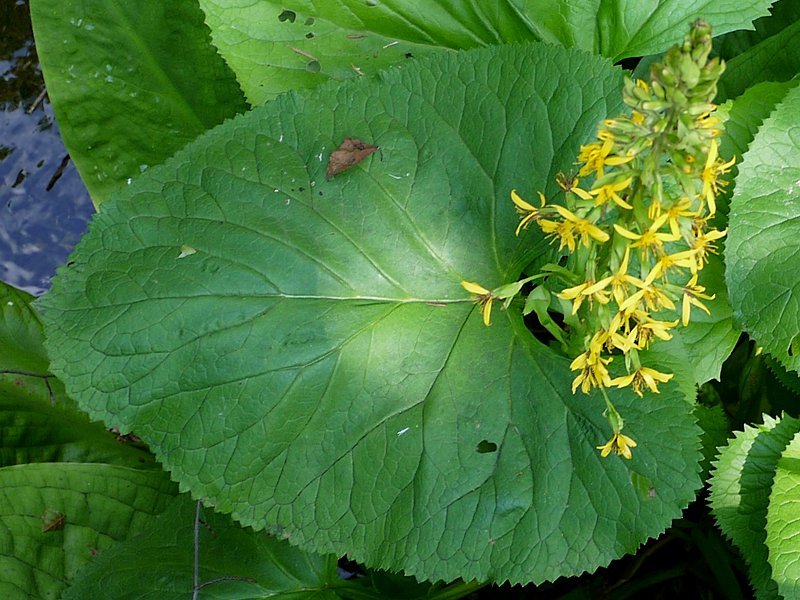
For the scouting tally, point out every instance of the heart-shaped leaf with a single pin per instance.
(55, 517)
(763, 248)
(315, 365)
(38, 422)
(274, 46)
(131, 82)
(233, 562)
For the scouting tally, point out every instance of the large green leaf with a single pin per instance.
(274, 46)
(130, 82)
(21, 335)
(710, 338)
(740, 493)
(782, 14)
(783, 518)
(776, 58)
(234, 562)
(315, 366)
(38, 422)
(55, 517)
(745, 115)
(763, 248)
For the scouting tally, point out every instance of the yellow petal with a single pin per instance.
(486, 309)
(515, 198)
(474, 288)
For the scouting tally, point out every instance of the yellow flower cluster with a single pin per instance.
(638, 235)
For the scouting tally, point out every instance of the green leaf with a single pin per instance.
(626, 28)
(776, 58)
(709, 338)
(38, 422)
(274, 46)
(763, 246)
(782, 521)
(56, 517)
(316, 365)
(740, 490)
(234, 562)
(130, 82)
(715, 426)
(273, 49)
(782, 14)
(746, 114)
(21, 335)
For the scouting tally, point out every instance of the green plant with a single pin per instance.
(299, 352)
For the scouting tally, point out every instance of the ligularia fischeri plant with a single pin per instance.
(633, 229)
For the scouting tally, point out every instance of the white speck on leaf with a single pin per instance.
(186, 251)
(403, 431)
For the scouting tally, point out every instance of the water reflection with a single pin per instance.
(44, 207)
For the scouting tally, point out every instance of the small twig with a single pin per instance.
(304, 53)
(59, 172)
(37, 102)
(196, 571)
(46, 377)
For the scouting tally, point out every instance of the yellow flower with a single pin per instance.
(620, 281)
(684, 259)
(651, 294)
(706, 121)
(682, 208)
(626, 343)
(483, 297)
(704, 242)
(643, 376)
(596, 156)
(584, 228)
(607, 192)
(620, 444)
(579, 292)
(650, 328)
(528, 211)
(651, 240)
(592, 366)
(710, 176)
(691, 293)
(564, 230)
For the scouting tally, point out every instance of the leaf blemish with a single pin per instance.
(287, 15)
(403, 431)
(486, 447)
(349, 153)
(186, 251)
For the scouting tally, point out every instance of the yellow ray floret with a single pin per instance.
(620, 444)
(640, 378)
(483, 297)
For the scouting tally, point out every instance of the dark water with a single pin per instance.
(38, 226)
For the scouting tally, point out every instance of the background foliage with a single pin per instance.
(313, 367)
